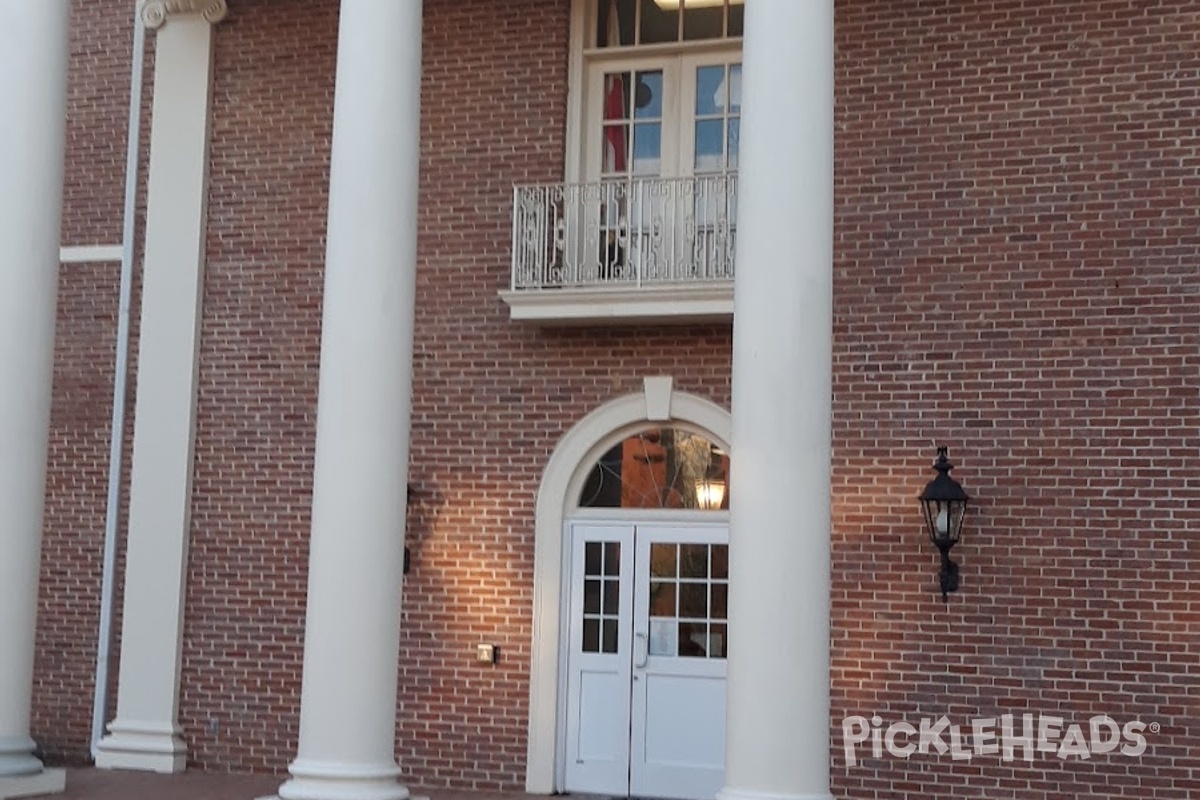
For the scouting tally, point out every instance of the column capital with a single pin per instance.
(155, 13)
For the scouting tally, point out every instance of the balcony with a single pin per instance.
(656, 249)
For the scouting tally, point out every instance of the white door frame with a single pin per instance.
(557, 496)
(635, 529)
(597, 755)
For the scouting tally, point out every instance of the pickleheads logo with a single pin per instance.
(1007, 736)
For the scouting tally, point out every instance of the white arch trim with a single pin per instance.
(561, 483)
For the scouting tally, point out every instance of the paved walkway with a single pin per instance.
(94, 784)
(98, 784)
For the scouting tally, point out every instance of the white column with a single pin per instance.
(352, 633)
(33, 96)
(145, 734)
(778, 743)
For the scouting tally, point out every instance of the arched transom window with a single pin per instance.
(662, 467)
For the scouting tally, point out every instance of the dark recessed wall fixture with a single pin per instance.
(408, 504)
(945, 505)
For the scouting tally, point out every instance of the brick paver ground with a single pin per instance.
(93, 784)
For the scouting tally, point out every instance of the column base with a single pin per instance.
(16, 757)
(277, 797)
(48, 781)
(324, 780)
(732, 793)
(143, 747)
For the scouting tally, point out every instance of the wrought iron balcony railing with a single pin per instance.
(624, 235)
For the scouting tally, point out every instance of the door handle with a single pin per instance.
(645, 650)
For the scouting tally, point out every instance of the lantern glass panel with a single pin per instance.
(944, 519)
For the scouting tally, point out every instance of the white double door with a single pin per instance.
(662, 140)
(646, 662)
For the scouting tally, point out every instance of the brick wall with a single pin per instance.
(490, 398)
(1015, 277)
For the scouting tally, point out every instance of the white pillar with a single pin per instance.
(352, 633)
(33, 96)
(146, 734)
(778, 743)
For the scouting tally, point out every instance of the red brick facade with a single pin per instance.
(1016, 276)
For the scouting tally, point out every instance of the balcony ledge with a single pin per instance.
(671, 303)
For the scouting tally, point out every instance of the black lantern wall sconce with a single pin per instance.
(945, 505)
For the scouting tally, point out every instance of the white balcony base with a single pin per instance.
(48, 781)
(660, 303)
(142, 748)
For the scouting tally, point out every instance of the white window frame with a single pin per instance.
(688, 64)
(584, 64)
(672, 113)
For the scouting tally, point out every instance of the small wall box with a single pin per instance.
(486, 653)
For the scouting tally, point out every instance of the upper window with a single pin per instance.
(663, 93)
(644, 222)
(638, 22)
(661, 126)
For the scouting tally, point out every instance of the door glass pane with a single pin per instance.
(662, 560)
(692, 605)
(601, 596)
(612, 558)
(609, 644)
(647, 149)
(717, 641)
(591, 636)
(614, 155)
(718, 104)
(733, 140)
(591, 597)
(693, 639)
(648, 95)
(592, 558)
(616, 96)
(720, 561)
(710, 146)
(710, 90)
(612, 597)
(718, 608)
(693, 561)
(663, 637)
(662, 599)
(693, 600)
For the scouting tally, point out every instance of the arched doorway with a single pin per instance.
(584, 511)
